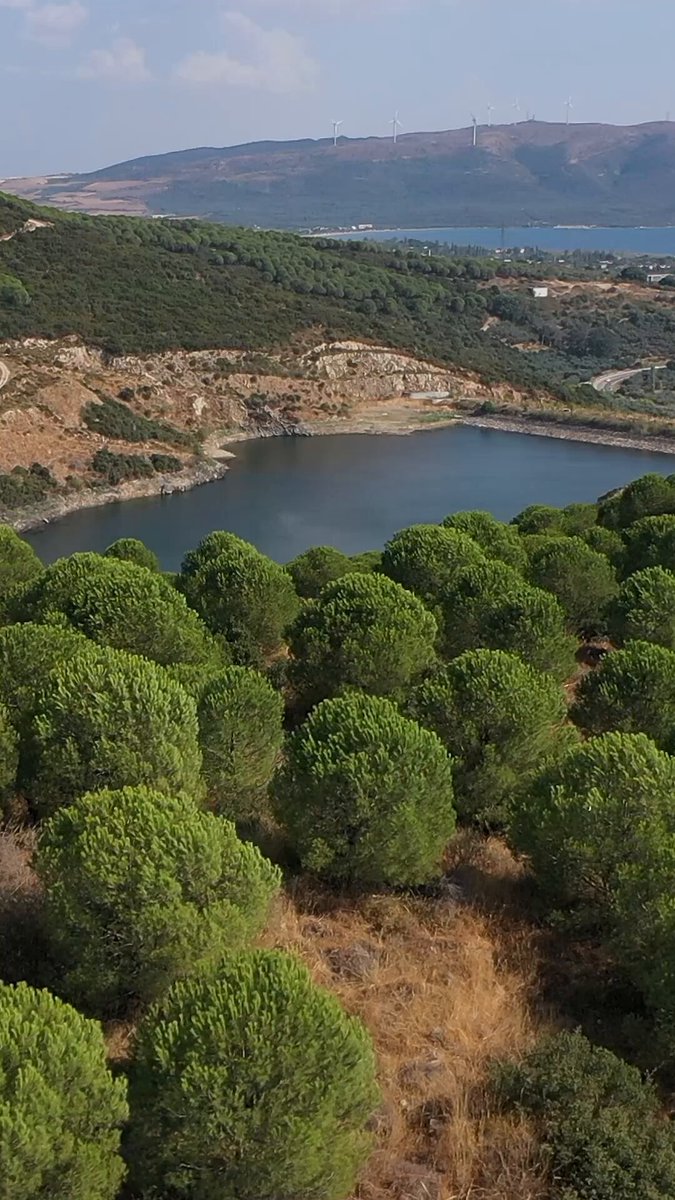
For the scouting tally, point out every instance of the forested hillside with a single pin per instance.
(308, 873)
(135, 286)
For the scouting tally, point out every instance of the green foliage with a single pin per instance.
(644, 609)
(61, 1112)
(605, 541)
(495, 539)
(116, 420)
(143, 889)
(582, 580)
(13, 294)
(24, 487)
(426, 558)
(584, 818)
(105, 719)
(253, 1084)
(365, 794)
(632, 692)
(539, 518)
(118, 468)
(27, 654)
(241, 735)
(19, 563)
(121, 605)
(600, 1123)
(577, 519)
(315, 568)
(132, 550)
(239, 593)
(369, 561)
(648, 496)
(364, 631)
(492, 606)
(9, 752)
(499, 719)
(649, 542)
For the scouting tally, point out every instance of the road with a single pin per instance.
(4, 375)
(610, 381)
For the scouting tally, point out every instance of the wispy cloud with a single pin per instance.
(272, 60)
(55, 23)
(123, 62)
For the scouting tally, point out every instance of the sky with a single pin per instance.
(86, 83)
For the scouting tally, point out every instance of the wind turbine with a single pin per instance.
(474, 122)
(490, 110)
(516, 109)
(336, 129)
(396, 125)
(568, 109)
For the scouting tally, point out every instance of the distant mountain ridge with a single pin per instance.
(532, 172)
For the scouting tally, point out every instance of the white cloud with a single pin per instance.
(122, 62)
(55, 22)
(270, 60)
(15, 3)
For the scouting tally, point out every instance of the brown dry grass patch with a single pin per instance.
(446, 986)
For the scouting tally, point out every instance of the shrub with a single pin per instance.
(600, 1123)
(577, 519)
(27, 654)
(369, 561)
(239, 593)
(582, 580)
(251, 1085)
(365, 631)
(105, 719)
(118, 468)
(114, 419)
(61, 1110)
(365, 794)
(539, 518)
(648, 496)
(632, 692)
(605, 541)
(120, 605)
(315, 568)
(585, 817)
(240, 734)
(498, 718)
(644, 609)
(143, 889)
(496, 540)
(9, 752)
(132, 550)
(493, 607)
(426, 558)
(19, 563)
(649, 542)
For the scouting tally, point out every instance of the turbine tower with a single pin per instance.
(568, 109)
(516, 109)
(474, 122)
(396, 126)
(490, 110)
(336, 130)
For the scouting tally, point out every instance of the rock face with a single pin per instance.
(217, 396)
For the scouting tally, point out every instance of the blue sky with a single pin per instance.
(84, 83)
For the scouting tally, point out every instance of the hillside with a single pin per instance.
(531, 172)
(133, 351)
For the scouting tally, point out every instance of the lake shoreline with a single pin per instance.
(400, 423)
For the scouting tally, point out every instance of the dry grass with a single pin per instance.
(446, 986)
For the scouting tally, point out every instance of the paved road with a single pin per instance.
(610, 381)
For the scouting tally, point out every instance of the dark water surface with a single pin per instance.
(354, 491)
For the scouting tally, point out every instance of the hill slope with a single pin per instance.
(529, 172)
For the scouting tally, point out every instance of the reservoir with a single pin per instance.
(354, 491)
